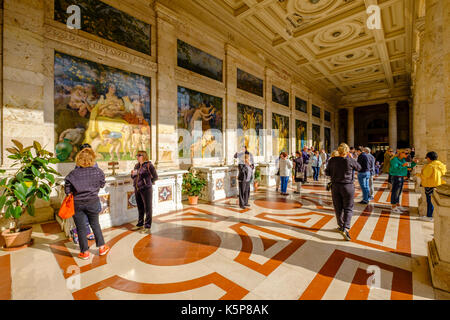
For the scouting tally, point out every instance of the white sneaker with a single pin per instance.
(396, 210)
(425, 218)
(403, 208)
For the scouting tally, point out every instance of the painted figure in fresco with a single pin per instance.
(185, 108)
(202, 113)
(144, 140)
(136, 140)
(108, 137)
(73, 136)
(79, 100)
(282, 135)
(110, 105)
(127, 131)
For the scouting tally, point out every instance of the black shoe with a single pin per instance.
(247, 205)
(347, 235)
(137, 228)
(296, 192)
(363, 202)
(340, 229)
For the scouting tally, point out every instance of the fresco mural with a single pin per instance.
(107, 22)
(316, 137)
(204, 113)
(327, 140)
(301, 136)
(250, 121)
(315, 111)
(327, 115)
(250, 83)
(280, 96)
(301, 105)
(100, 105)
(280, 134)
(199, 61)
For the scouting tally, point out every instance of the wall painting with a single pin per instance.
(280, 96)
(100, 105)
(200, 120)
(250, 121)
(196, 60)
(316, 137)
(315, 111)
(327, 140)
(104, 21)
(300, 134)
(280, 134)
(250, 83)
(301, 105)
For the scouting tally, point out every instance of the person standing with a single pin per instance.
(389, 154)
(277, 175)
(372, 160)
(298, 171)
(144, 176)
(324, 156)
(316, 163)
(285, 172)
(84, 183)
(431, 177)
(305, 156)
(342, 169)
(363, 175)
(398, 171)
(245, 177)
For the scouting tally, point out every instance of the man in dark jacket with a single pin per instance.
(372, 161)
(305, 156)
(299, 169)
(364, 174)
(245, 177)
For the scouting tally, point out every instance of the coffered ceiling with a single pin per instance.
(328, 41)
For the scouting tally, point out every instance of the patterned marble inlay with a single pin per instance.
(165, 193)
(219, 184)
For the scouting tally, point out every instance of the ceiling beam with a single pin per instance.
(253, 7)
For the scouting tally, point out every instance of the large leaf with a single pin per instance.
(50, 177)
(31, 210)
(53, 160)
(9, 212)
(37, 146)
(42, 161)
(22, 197)
(18, 144)
(2, 170)
(35, 171)
(3, 182)
(2, 201)
(13, 150)
(17, 212)
(14, 156)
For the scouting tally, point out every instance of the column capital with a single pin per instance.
(392, 103)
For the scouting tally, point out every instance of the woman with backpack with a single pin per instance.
(144, 176)
(299, 169)
(431, 177)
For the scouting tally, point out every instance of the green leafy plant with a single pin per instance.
(257, 174)
(193, 184)
(34, 179)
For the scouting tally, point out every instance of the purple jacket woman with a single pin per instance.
(144, 176)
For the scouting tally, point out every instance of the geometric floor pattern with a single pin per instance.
(279, 248)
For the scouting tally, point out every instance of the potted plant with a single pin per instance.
(257, 179)
(33, 180)
(193, 186)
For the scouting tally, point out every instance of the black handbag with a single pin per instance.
(329, 185)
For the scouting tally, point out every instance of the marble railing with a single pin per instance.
(119, 204)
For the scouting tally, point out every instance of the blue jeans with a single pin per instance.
(363, 178)
(316, 173)
(87, 212)
(284, 183)
(430, 207)
(397, 188)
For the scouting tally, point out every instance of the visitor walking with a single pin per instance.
(364, 175)
(324, 156)
(298, 171)
(398, 171)
(341, 169)
(431, 177)
(389, 154)
(305, 155)
(144, 176)
(84, 183)
(285, 172)
(316, 163)
(372, 161)
(245, 177)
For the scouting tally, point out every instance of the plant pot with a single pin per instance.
(17, 239)
(193, 199)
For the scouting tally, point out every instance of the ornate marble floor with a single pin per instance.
(279, 248)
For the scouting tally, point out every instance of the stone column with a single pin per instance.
(336, 139)
(393, 124)
(310, 117)
(322, 129)
(167, 109)
(351, 127)
(230, 113)
(268, 152)
(292, 131)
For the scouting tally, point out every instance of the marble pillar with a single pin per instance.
(351, 127)
(336, 132)
(393, 124)
(231, 54)
(310, 123)
(166, 118)
(292, 131)
(268, 152)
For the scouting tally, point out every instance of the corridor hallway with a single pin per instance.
(279, 248)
